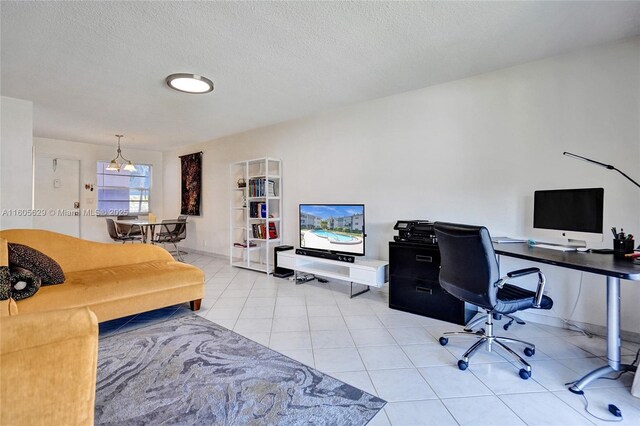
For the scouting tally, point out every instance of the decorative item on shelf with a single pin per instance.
(114, 165)
(88, 186)
(242, 183)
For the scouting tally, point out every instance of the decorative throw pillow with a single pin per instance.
(37, 262)
(5, 283)
(24, 283)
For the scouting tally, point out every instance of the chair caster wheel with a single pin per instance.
(529, 351)
(443, 341)
(462, 365)
(524, 374)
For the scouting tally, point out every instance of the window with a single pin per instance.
(123, 192)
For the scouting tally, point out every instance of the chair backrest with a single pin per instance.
(128, 217)
(182, 217)
(113, 232)
(468, 267)
(174, 232)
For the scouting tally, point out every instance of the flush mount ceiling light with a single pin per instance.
(190, 83)
(125, 164)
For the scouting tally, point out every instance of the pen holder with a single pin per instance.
(622, 247)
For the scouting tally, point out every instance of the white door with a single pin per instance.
(57, 194)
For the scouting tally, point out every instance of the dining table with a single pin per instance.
(147, 227)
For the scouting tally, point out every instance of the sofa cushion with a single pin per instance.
(116, 284)
(37, 262)
(24, 283)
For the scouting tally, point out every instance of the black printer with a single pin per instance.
(415, 231)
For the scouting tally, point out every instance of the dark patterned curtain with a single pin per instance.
(191, 183)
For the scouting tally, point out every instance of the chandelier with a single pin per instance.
(124, 164)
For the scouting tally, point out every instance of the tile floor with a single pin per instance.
(397, 356)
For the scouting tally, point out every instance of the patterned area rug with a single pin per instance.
(188, 370)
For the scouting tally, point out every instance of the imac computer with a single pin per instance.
(572, 214)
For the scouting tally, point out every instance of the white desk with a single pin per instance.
(363, 271)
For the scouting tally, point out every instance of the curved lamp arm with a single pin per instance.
(606, 166)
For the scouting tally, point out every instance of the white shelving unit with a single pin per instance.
(255, 213)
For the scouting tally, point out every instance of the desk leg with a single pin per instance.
(613, 339)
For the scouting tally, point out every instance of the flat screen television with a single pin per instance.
(575, 214)
(337, 228)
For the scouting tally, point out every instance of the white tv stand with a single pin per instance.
(363, 271)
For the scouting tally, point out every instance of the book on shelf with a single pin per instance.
(244, 244)
(258, 187)
(273, 232)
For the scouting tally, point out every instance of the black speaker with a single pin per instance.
(277, 271)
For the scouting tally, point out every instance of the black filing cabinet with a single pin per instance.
(414, 286)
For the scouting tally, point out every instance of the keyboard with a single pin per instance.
(552, 247)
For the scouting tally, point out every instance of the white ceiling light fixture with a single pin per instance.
(125, 164)
(189, 83)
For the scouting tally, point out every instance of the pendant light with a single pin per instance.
(126, 164)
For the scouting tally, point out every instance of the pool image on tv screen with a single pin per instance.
(333, 227)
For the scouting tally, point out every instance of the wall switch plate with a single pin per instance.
(57, 183)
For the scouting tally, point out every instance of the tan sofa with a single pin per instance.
(113, 280)
(49, 342)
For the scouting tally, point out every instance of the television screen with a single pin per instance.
(337, 228)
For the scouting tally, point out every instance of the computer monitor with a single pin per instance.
(574, 214)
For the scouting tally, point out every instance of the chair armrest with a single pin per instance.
(537, 299)
(522, 272)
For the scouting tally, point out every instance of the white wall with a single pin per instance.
(472, 151)
(93, 227)
(16, 171)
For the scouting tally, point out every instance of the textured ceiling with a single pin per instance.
(93, 69)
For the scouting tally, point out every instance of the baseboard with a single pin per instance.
(204, 253)
(597, 330)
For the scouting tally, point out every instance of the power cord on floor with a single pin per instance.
(615, 411)
(567, 321)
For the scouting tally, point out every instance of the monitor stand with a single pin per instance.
(576, 243)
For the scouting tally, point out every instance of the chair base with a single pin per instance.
(487, 340)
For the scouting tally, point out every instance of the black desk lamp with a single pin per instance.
(606, 166)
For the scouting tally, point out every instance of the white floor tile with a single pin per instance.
(372, 337)
(286, 311)
(351, 309)
(341, 359)
(327, 323)
(401, 385)
(260, 301)
(304, 356)
(412, 335)
(503, 378)
(429, 355)
(230, 302)
(257, 312)
(543, 408)
(419, 413)
(380, 419)
(223, 313)
(599, 400)
(323, 310)
(258, 337)
(290, 324)
(363, 322)
(290, 340)
(384, 357)
(291, 301)
(481, 410)
(253, 325)
(453, 383)
(331, 339)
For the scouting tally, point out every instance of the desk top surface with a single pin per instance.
(602, 264)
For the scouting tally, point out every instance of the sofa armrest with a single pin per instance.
(49, 364)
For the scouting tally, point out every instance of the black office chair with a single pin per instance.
(469, 271)
(131, 230)
(116, 235)
(172, 233)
